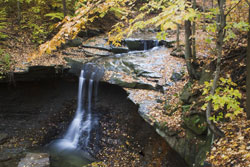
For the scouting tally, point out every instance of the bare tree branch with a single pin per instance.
(232, 8)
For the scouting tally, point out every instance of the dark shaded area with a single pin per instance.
(122, 128)
(35, 113)
(235, 65)
(32, 114)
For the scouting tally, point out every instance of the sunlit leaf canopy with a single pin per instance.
(88, 12)
(170, 14)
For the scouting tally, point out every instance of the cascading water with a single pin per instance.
(145, 45)
(78, 134)
(86, 125)
(72, 135)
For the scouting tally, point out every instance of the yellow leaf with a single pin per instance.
(247, 155)
(212, 157)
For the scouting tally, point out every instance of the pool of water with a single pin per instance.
(69, 157)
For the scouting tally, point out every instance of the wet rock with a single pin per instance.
(127, 84)
(146, 44)
(140, 44)
(131, 70)
(115, 50)
(100, 47)
(118, 50)
(35, 159)
(74, 42)
(76, 66)
(3, 138)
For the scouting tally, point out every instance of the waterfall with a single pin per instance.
(156, 43)
(73, 132)
(78, 134)
(86, 126)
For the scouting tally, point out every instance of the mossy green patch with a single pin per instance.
(196, 123)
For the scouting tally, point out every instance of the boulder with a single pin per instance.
(35, 160)
(177, 76)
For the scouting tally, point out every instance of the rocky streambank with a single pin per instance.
(156, 81)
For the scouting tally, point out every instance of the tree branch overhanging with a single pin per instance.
(233, 7)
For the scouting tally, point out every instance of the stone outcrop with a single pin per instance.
(146, 77)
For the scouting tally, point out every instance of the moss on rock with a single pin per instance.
(196, 123)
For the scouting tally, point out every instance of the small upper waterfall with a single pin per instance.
(78, 134)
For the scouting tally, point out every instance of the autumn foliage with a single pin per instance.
(214, 26)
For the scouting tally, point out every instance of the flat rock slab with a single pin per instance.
(35, 160)
(141, 70)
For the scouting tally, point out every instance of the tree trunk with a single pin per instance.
(64, 8)
(248, 69)
(18, 11)
(193, 35)
(188, 51)
(203, 5)
(178, 37)
(221, 23)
